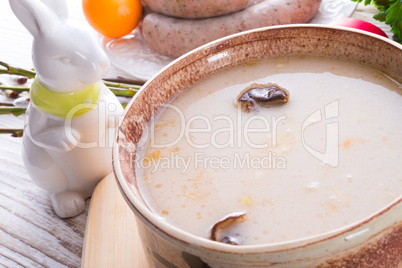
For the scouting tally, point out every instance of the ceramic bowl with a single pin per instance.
(372, 242)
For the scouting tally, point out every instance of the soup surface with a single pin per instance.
(327, 158)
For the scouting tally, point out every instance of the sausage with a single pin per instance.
(173, 37)
(195, 9)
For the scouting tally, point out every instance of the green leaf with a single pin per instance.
(366, 2)
(396, 39)
(380, 16)
(394, 18)
(383, 3)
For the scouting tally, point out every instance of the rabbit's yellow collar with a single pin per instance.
(66, 104)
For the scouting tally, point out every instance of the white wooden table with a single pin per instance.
(31, 235)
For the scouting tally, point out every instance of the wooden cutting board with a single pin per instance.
(111, 238)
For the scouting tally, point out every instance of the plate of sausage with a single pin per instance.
(169, 31)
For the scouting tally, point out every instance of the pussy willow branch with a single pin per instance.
(6, 104)
(119, 86)
(123, 80)
(15, 132)
(15, 70)
(12, 110)
(17, 90)
(122, 90)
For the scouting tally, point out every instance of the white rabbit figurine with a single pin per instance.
(72, 117)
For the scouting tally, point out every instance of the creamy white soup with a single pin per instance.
(328, 157)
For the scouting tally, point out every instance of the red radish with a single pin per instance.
(358, 24)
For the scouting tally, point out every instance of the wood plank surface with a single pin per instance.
(31, 235)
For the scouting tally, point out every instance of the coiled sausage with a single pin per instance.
(195, 9)
(173, 37)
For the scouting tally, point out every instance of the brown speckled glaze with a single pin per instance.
(374, 242)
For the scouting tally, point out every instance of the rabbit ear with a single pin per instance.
(34, 15)
(58, 6)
